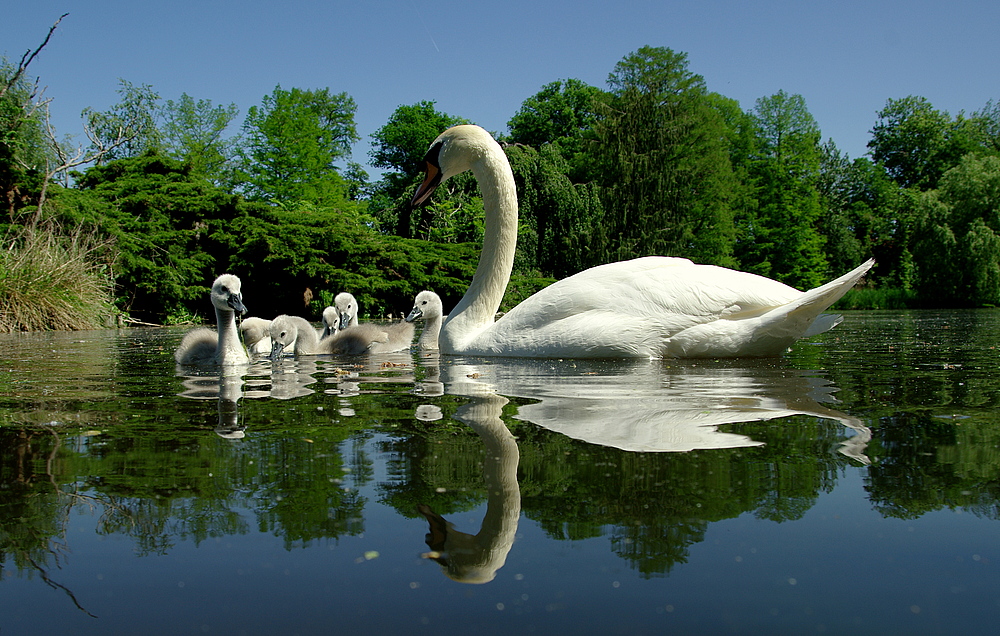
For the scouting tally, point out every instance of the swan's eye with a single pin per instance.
(424, 302)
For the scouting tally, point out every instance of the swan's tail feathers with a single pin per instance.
(824, 322)
(815, 301)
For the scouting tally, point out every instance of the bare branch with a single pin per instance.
(28, 57)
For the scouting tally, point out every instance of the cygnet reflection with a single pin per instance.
(227, 389)
(475, 558)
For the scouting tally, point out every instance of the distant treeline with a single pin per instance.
(653, 164)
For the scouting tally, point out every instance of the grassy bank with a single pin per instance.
(867, 298)
(51, 278)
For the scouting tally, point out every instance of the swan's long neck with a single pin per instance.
(230, 350)
(306, 338)
(487, 551)
(429, 336)
(478, 307)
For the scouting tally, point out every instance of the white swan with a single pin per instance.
(298, 334)
(400, 334)
(651, 307)
(256, 335)
(427, 306)
(203, 346)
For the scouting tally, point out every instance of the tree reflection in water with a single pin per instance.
(646, 455)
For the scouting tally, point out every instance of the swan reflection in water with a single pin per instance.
(475, 558)
(650, 406)
(227, 389)
(637, 407)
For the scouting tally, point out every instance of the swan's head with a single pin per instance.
(226, 294)
(347, 307)
(453, 152)
(331, 321)
(426, 305)
(283, 335)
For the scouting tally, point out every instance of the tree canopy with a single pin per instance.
(654, 163)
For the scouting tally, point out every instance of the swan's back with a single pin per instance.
(659, 307)
(354, 340)
(198, 347)
(399, 337)
(256, 334)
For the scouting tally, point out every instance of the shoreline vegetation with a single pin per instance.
(52, 279)
(133, 225)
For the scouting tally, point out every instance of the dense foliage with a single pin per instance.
(655, 164)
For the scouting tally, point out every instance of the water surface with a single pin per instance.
(851, 485)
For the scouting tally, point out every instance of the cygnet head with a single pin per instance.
(283, 335)
(347, 307)
(226, 294)
(453, 152)
(427, 306)
(331, 321)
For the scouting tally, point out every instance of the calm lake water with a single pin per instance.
(851, 486)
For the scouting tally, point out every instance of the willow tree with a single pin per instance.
(957, 235)
(663, 163)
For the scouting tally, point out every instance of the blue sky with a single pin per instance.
(480, 60)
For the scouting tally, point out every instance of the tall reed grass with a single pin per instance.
(51, 278)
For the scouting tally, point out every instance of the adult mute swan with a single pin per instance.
(296, 333)
(651, 307)
(203, 346)
(427, 307)
(400, 334)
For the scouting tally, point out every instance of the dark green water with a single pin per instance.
(851, 486)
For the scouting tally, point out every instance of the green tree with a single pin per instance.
(128, 128)
(163, 218)
(292, 144)
(917, 143)
(399, 147)
(957, 235)
(560, 227)
(562, 112)
(865, 214)
(661, 158)
(23, 156)
(193, 131)
(988, 121)
(780, 238)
